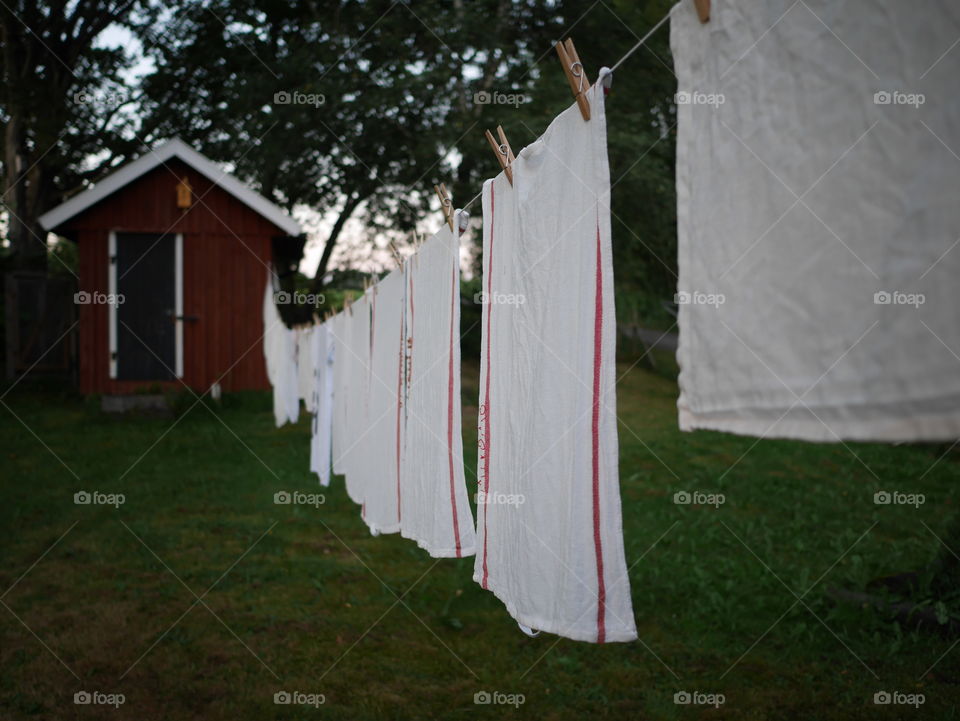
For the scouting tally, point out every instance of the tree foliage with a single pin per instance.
(399, 83)
(63, 106)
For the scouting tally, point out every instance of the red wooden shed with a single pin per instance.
(174, 257)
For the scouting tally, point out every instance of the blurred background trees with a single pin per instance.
(390, 95)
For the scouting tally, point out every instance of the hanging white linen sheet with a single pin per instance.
(280, 355)
(337, 337)
(817, 215)
(357, 407)
(383, 436)
(434, 504)
(320, 440)
(549, 529)
(305, 366)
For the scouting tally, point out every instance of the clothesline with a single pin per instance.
(390, 419)
(616, 65)
(548, 534)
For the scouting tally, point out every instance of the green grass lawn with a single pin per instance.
(302, 599)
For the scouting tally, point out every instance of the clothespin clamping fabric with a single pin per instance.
(396, 254)
(445, 205)
(576, 75)
(503, 152)
(703, 10)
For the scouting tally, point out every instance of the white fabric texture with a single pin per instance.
(280, 355)
(383, 438)
(338, 339)
(305, 366)
(358, 399)
(550, 537)
(434, 504)
(322, 401)
(817, 215)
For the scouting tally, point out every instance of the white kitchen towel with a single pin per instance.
(323, 353)
(357, 436)
(280, 355)
(550, 537)
(383, 436)
(337, 337)
(305, 366)
(435, 508)
(817, 211)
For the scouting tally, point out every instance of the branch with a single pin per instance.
(351, 205)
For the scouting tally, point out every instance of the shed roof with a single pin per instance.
(175, 148)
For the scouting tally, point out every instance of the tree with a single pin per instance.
(395, 91)
(62, 103)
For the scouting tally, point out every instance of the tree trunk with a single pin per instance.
(27, 238)
(348, 208)
(293, 314)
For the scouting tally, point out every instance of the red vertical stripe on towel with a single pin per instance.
(486, 399)
(595, 432)
(453, 494)
(373, 322)
(400, 356)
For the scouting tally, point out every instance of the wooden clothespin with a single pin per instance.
(396, 254)
(703, 9)
(503, 152)
(445, 205)
(576, 75)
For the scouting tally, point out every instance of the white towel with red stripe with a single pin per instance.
(434, 504)
(322, 402)
(382, 445)
(550, 538)
(817, 177)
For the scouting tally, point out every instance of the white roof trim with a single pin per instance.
(173, 148)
